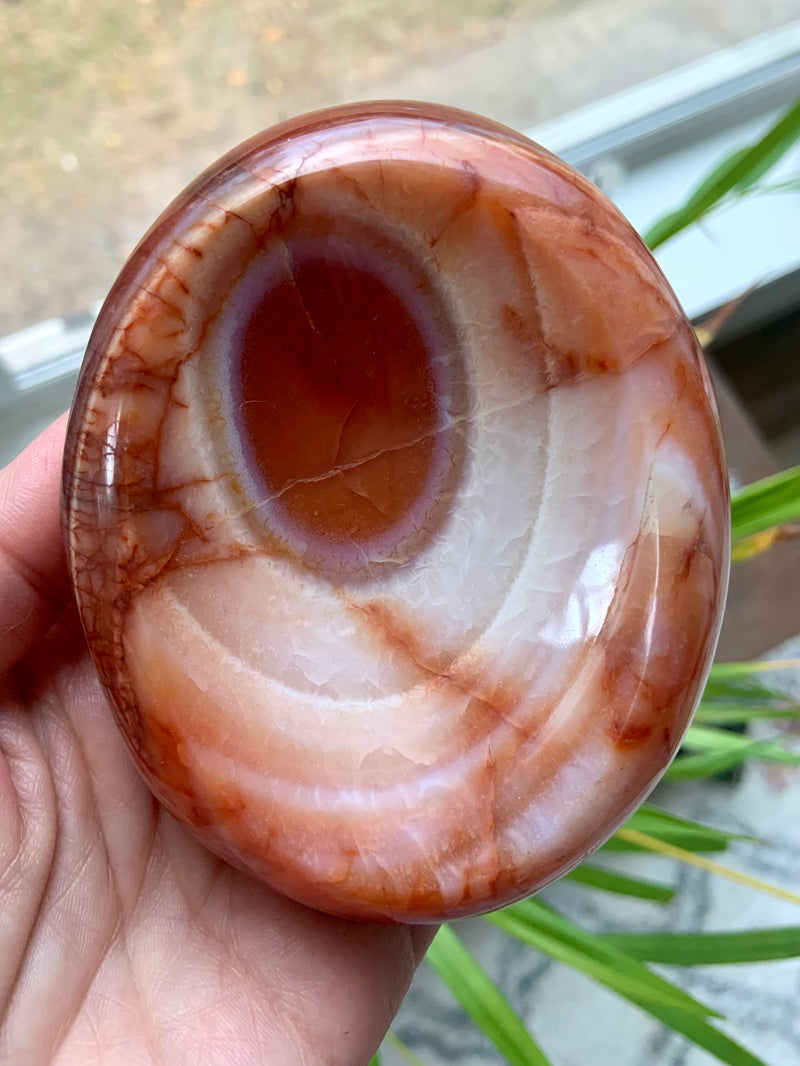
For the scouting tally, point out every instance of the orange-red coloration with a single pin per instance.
(341, 415)
(397, 513)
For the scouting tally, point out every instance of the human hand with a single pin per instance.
(122, 940)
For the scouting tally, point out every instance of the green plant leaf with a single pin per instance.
(618, 845)
(707, 1036)
(567, 943)
(681, 832)
(740, 682)
(789, 185)
(658, 822)
(709, 949)
(375, 1060)
(741, 713)
(734, 673)
(738, 172)
(720, 177)
(772, 501)
(661, 847)
(689, 1025)
(722, 750)
(696, 767)
(622, 884)
(482, 1000)
(412, 1059)
(706, 738)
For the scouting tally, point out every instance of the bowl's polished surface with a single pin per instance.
(397, 512)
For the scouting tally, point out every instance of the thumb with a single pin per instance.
(33, 578)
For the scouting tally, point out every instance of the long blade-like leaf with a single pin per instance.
(661, 847)
(736, 173)
(621, 844)
(747, 671)
(706, 738)
(742, 682)
(740, 713)
(707, 1037)
(621, 884)
(532, 919)
(709, 949)
(720, 750)
(697, 767)
(790, 185)
(569, 944)
(689, 1025)
(670, 828)
(404, 1050)
(772, 501)
(655, 820)
(482, 1000)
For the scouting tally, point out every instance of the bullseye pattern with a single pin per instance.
(397, 512)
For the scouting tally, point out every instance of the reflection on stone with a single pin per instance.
(397, 512)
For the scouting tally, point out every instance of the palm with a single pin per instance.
(124, 941)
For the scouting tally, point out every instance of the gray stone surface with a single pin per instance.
(578, 54)
(577, 1022)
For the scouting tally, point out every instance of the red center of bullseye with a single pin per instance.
(343, 366)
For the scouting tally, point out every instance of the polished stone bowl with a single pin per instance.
(397, 512)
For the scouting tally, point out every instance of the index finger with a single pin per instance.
(34, 587)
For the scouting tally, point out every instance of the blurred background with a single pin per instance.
(108, 109)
